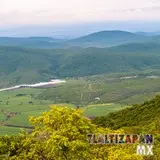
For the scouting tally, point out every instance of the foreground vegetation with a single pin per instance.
(61, 134)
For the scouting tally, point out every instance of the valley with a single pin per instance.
(21, 65)
(94, 95)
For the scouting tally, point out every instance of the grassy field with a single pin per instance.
(16, 106)
(84, 91)
(4, 130)
(101, 109)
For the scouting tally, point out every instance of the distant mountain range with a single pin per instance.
(31, 42)
(108, 39)
(98, 39)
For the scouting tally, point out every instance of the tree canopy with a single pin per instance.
(61, 134)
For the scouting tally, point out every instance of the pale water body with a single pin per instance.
(41, 84)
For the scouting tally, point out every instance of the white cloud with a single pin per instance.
(63, 11)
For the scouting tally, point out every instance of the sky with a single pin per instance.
(18, 16)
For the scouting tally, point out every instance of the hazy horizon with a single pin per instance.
(70, 19)
(77, 30)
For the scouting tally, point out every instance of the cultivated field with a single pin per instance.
(96, 97)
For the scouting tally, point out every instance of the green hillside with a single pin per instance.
(138, 115)
(109, 38)
(92, 61)
(23, 65)
(148, 47)
(19, 65)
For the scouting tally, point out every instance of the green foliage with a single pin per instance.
(24, 65)
(60, 134)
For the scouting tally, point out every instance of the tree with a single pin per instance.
(61, 134)
(58, 134)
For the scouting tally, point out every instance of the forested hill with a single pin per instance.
(109, 38)
(148, 47)
(24, 65)
(138, 115)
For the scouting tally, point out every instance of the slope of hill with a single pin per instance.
(138, 115)
(125, 58)
(20, 65)
(148, 47)
(23, 65)
(108, 38)
(148, 33)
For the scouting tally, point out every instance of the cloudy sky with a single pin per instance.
(17, 13)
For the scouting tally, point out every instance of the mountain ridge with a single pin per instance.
(97, 39)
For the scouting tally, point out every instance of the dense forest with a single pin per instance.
(23, 65)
